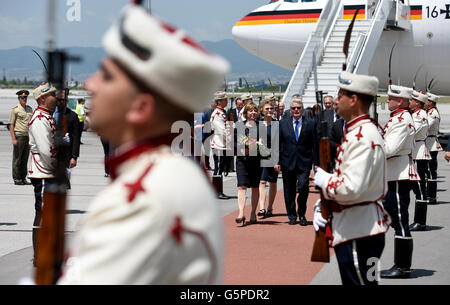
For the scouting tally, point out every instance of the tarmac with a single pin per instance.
(270, 252)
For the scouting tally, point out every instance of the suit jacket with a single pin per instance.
(336, 136)
(235, 114)
(72, 127)
(298, 154)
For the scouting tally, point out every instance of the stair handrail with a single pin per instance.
(370, 44)
(315, 44)
(356, 52)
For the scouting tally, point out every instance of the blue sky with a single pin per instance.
(24, 22)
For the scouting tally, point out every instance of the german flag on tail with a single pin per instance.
(416, 12)
(349, 11)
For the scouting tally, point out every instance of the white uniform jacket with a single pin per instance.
(434, 120)
(399, 135)
(157, 222)
(219, 124)
(358, 183)
(41, 129)
(420, 118)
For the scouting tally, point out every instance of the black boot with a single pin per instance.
(217, 182)
(35, 242)
(403, 248)
(420, 216)
(432, 190)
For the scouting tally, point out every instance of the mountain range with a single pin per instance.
(22, 63)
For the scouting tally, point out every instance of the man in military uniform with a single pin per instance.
(18, 127)
(42, 128)
(421, 156)
(398, 144)
(157, 222)
(221, 142)
(359, 220)
(433, 145)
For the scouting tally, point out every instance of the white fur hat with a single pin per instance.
(165, 59)
(358, 83)
(43, 89)
(419, 96)
(399, 91)
(220, 95)
(432, 97)
(246, 97)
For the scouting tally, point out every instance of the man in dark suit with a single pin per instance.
(72, 128)
(298, 150)
(236, 110)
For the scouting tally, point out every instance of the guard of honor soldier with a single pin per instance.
(18, 127)
(220, 142)
(433, 145)
(42, 128)
(399, 134)
(358, 184)
(157, 222)
(421, 157)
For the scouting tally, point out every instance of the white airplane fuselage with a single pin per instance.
(273, 33)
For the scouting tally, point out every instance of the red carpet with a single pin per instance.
(270, 252)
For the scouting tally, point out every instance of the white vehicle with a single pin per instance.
(287, 33)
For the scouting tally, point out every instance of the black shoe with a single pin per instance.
(19, 182)
(303, 221)
(432, 201)
(222, 196)
(292, 221)
(225, 174)
(417, 227)
(269, 213)
(396, 273)
(262, 213)
(25, 182)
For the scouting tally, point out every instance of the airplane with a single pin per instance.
(277, 32)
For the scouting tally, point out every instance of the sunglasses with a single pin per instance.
(297, 108)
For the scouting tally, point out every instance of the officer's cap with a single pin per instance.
(399, 91)
(23, 93)
(358, 83)
(419, 96)
(165, 59)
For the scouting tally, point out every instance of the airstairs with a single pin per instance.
(322, 58)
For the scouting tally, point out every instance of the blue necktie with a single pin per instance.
(296, 129)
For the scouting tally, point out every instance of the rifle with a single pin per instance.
(50, 247)
(321, 252)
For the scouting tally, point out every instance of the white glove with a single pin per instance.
(321, 177)
(318, 221)
(66, 138)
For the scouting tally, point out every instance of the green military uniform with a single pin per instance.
(18, 120)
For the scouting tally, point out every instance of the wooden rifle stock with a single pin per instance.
(321, 251)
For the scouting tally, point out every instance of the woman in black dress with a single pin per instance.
(248, 167)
